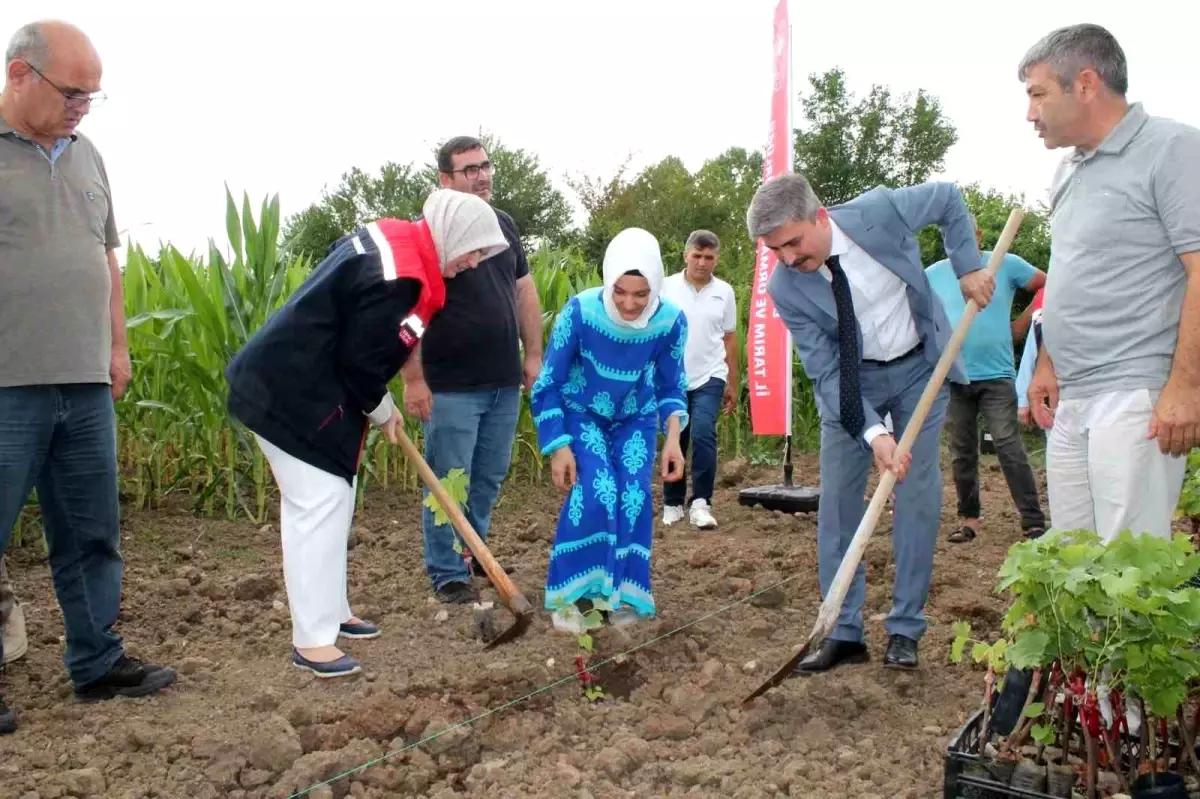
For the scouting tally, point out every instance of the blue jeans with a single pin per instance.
(63, 440)
(704, 404)
(845, 466)
(472, 431)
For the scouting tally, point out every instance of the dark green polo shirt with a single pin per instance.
(56, 228)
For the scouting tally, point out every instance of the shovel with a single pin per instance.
(832, 606)
(510, 595)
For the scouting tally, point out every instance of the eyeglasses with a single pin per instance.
(73, 97)
(471, 172)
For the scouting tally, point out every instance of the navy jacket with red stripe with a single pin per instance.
(316, 374)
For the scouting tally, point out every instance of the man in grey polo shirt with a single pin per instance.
(1118, 376)
(63, 356)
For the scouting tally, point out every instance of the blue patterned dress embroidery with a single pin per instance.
(605, 391)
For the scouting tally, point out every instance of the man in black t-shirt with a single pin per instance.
(465, 385)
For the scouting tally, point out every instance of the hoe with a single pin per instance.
(510, 595)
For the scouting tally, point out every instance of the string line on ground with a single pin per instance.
(543, 689)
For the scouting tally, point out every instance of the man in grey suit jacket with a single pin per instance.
(869, 331)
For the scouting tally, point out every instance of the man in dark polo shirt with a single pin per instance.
(465, 384)
(63, 353)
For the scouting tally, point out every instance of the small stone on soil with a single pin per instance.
(193, 665)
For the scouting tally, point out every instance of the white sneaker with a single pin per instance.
(672, 514)
(700, 515)
(16, 643)
(569, 619)
(622, 617)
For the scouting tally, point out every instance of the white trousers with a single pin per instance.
(316, 510)
(1102, 472)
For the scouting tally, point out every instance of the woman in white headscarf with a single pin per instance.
(311, 380)
(612, 377)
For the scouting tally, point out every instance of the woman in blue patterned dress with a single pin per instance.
(612, 377)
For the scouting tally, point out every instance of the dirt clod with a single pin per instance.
(255, 586)
(241, 723)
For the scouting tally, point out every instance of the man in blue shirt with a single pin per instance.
(987, 352)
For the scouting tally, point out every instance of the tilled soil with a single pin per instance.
(207, 597)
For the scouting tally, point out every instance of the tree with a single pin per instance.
(671, 202)
(847, 146)
(398, 191)
(520, 187)
(991, 209)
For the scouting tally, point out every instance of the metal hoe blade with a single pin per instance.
(514, 630)
(784, 672)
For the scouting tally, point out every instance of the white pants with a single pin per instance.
(1102, 472)
(316, 509)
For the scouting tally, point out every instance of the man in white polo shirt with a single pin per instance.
(712, 372)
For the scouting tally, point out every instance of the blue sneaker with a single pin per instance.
(362, 629)
(342, 667)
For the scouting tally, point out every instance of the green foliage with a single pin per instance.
(991, 209)
(846, 146)
(1189, 498)
(993, 654)
(671, 202)
(186, 319)
(520, 187)
(1043, 733)
(456, 484)
(1119, 613)
(397, 191)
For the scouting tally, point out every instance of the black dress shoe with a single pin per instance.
(833, 653)
(128, 677)
(901, 653)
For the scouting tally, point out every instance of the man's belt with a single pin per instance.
(920, 346)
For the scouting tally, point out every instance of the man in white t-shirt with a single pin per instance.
(712, 372)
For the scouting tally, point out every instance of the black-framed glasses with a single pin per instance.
(471, 172)
(73, 97)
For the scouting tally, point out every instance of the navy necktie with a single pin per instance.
(849, 392)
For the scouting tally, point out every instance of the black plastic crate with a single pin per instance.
(971, 776)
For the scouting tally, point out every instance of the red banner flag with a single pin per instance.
(768, 342)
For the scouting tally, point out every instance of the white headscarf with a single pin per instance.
(461, 223)
(632, 249)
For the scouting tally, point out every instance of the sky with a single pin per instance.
(267, 99)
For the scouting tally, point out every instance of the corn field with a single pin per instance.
(187, 317)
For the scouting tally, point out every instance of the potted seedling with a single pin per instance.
(1104, 623)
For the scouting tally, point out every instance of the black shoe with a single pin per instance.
(901, 653)
(455, 593)
(128, 677)
(833, 653)
(8, 722)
